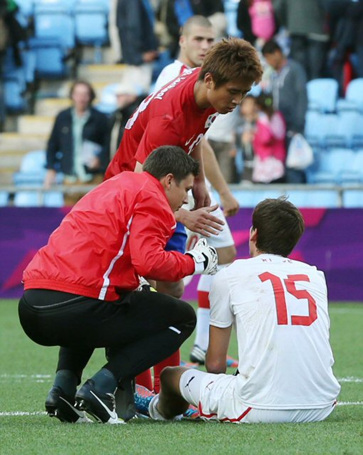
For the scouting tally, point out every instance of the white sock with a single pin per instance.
(202, 328)
(153, 412)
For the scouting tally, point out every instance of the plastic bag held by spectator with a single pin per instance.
(300, 154)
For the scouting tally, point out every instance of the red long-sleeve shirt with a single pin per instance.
(113, 234)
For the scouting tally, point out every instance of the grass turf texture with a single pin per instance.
(26, 375)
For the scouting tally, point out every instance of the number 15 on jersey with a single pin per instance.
(280, 287)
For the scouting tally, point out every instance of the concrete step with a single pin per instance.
(6, 176)
(23, 141)
(109, 74)
(35, 124)
(51, 106)
(10, 161)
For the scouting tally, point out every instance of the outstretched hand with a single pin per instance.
(201, 220)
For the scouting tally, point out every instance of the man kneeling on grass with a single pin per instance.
(280, 310)
(81, 288)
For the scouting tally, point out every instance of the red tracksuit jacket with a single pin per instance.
(113, 234)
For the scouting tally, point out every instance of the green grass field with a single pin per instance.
(26, 375)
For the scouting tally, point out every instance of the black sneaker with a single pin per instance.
(59, 405)
(101, 406)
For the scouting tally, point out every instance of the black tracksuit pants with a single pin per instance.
(138, 331)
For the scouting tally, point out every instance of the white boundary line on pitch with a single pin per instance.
(46, 377)
(39, 413)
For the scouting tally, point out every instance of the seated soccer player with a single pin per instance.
(280, 310)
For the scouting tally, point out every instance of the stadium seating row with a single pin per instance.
(327, 130)
(335, 164)
(323, 96)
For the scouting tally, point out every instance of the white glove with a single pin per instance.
(144, 285)
(205, 258)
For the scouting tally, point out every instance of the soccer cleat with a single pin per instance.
(231, 362)
(189, 364)
(101, 406)
(142, 398)
(197, 355)
(124, 400)
(192, 413)
(59, 405)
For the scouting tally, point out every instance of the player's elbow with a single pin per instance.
(215, 366)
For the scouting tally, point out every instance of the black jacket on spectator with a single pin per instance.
(60, 151)
(136, 31)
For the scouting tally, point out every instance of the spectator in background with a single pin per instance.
(346, 28)
(269, 143)
(139, 44)
(3, 45)
(79, 142)
(289, 95)
(256, 20)
(222, 138)
(305, 22)
(179, 11)
(128, 99)
(245, 133)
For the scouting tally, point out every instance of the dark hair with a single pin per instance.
(170, 159)
(265, 102)
(232, 59)
(279, 226)
(92, 93)
(270, 47)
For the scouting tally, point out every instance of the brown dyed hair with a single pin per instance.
(279, 226)
(230, 60)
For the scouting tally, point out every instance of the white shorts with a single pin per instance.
(216, 399)
(223, 239)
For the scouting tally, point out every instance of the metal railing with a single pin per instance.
(239, 190)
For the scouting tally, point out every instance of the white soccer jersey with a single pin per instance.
(280, 310)
(168, 73)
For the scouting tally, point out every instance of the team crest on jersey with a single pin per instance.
(210, 120)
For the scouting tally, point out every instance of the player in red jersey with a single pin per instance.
(180, 113)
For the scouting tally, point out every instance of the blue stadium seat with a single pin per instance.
(353, 198)
(55, 20)
(108, 102)
(314, 198)
(14, 95)
(345, 130)
(48, 57)
(251, 197)
(91, 19)
(353, 173)
(4, 198)
(31, 174)
(332, 163)
(318, 126)
(26, 7)
(322, 94)
(37, 199)
(353, 96)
